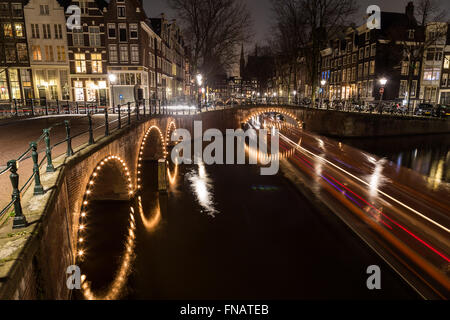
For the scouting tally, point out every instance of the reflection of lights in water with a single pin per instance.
(202, 187)
(172, 177)
(436, 174)
(150, 224)
(116, 287)
(376, 179)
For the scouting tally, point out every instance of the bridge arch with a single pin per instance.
(94, 190)
(282, 111)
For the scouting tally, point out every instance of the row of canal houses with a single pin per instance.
(118, 55)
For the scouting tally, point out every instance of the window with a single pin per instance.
(84, 6)
(373, 50)
(111, 30)
(370, 89)
(47, 31)
(19, 30)
(403, 88)
(79, 91)
(135, 53)
(37, 54)
(123, 53)
(61, 53)
(361, 53)
(113, 57)
(96, 63)
(4, 93)
(344, 75)
(431, 74)
(411, 34)
(80, 63)
(133, 31)
(367, 35)
(417, 68)
(366, 69)
(372, 67)
(22, 52)
(17, 10)
(49, 53)
(44, 10)
(354, 74)
(123, 32)
(413, 88)
(64, 84)
(10, 53)
(447, 61)
(35, 31)
(15, 84)
(94, 37)
(360, 70)
(121, 12)
(78, 37)
(4, 10)
(58, 31)
(7, 30)
(444, 80)
(405, 68)
(367, 52)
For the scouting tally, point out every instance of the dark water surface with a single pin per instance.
(429, 154)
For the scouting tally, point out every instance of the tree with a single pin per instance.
(214, 31)
(304, 28)
(430, 29)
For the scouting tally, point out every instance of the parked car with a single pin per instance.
(442, 111)
(424, 109)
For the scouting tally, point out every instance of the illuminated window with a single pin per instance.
(7, 30)
(447, 61)
(123, 53)
(19, 30)
(4, 93)
(405, 68)
(15, 84)
(49, 53)
(80, 63)
(135, 53)
(431, 74)
(79, 91)
(37, 54)
(61, 53)
(113, 56)
(96, 62)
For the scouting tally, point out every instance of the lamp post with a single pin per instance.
(323, 83)
(383, 82)
(112, 80)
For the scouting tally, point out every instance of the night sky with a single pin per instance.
(262, 14)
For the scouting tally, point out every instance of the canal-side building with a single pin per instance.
(444, 96)
(15, 73)
(129, 43)
(87, 53)
(47, 41)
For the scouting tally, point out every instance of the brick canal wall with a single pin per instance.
(349, 125)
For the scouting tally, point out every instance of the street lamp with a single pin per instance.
(112, 80)
(383, 82)
(323, 83)
(199, 78)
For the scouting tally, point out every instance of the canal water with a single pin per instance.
(427, 154)
(226, 232)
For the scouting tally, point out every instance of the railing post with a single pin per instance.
(46, 107)
(16, 108)
(38, 188)
(77, 107)
(57, 106)
(91, 131)
(129, 113)
(120, 117)
(106, 122)
(69, 152)
(32, 108)
(145, 113)
(19, 219)
(48, 151)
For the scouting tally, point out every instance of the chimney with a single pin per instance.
(410, 10)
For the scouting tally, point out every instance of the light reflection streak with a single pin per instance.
(150, 224)
(202, 186)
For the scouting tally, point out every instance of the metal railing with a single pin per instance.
(127, 114)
